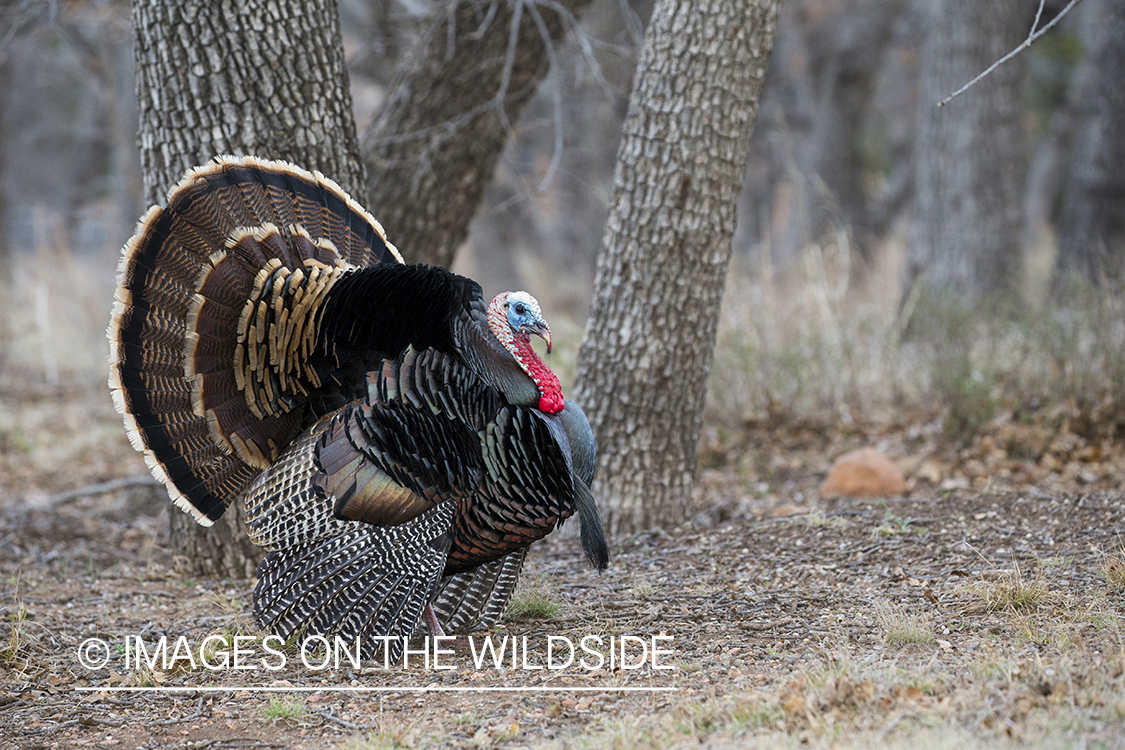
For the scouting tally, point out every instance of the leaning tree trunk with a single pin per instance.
(257, 77)
(1092, 225)
(431, 151)
(643, 366)
(970, 160)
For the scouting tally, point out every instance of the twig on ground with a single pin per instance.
(326, 714)
(190, 717)
(758, 627)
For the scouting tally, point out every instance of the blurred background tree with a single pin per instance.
(1092, 220)
(970, 154)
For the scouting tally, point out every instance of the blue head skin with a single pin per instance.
(525, 316)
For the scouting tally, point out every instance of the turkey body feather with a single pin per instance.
(397, 442)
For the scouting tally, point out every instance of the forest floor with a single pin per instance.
(982, 608)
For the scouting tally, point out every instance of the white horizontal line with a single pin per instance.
(347, 689)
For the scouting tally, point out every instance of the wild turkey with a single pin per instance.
(398, 443)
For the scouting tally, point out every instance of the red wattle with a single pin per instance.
(551, 404)
(550, 390)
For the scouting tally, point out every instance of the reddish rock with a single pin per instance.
(863, 473)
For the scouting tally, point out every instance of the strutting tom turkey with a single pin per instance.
(397, 442)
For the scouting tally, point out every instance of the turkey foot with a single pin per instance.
(436, 629)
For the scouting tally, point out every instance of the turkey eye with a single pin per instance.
(520, 309)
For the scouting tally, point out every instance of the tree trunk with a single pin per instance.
(965, 239)
(643, 366)
(256, 77)
(848, 48)
(5, 253)
(261, 77)
(830, 60)
(432, 150)
(1092, 225)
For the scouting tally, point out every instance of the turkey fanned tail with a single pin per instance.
(361, 583)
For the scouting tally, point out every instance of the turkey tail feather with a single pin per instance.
(476, 598)
(185, 296)
(364, 580)
(593, 538)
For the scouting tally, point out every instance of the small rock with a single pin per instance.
(863, 473)
(930, 470)
(955, 483)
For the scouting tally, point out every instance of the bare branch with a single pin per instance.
(1032, 36)
(633, 24)
(484, 24)
(556, 97)
(433, 155)
(584, 43)
(509, 63)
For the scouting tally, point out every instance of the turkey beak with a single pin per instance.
(541, 329)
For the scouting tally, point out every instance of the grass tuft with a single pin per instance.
(731, 715)
(1113, 571)
(15, 622)
(1014, 591)
(818, 519)
(392, 734)
(534, 599)
(904, 628)
(283, 710)
(14, 636)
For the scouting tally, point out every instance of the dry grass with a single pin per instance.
(391, 733)
(841, 702)
(817, 518)
(1114, 572)
(1014, 590)
(534, 599)
(57, 307)
(13, 642)
(811, 342)
(902, 627)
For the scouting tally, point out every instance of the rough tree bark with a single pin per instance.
(1092, 225)
(432, 150)
(643, 366)
(970, 160)
(254, 77)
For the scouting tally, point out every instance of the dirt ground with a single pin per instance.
(981, 614)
